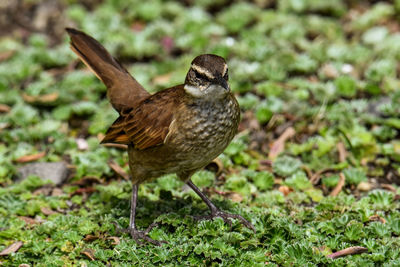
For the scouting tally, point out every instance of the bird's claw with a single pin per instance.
(140, 236)
(227, 218)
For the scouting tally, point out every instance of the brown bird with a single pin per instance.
(177, 130)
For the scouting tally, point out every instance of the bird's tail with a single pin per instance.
(123, 90)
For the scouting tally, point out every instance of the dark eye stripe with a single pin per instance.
(198, 75)
(201, 75)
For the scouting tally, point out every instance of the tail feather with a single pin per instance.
(123, 90)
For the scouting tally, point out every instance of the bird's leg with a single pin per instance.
(215, 212)
(135, 233)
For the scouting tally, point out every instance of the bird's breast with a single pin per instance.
(202, 130)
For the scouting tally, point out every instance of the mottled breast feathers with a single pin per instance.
(147, 125)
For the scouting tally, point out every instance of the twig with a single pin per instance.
(389, 187)
(113, 165)
(347, 251)
(345, 138)
(342, 151)
(120, 146)
(317, 176)
(31, 157)
(279, 145)
(11, 248)
(339, 185)
(308, 171)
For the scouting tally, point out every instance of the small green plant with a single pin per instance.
(285, 166)
(354, 176)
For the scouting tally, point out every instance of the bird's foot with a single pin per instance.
(142, 236)
(227, 218)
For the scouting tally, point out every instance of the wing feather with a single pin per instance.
(148, 124)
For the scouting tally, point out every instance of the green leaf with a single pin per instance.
(285, 165)
(354, 176)
(263, 180)
(330, 181)
(264, 113)
(203, 178)
(346, 86)
(238, 184)
(298, 181)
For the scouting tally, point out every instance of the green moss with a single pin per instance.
(320, 67)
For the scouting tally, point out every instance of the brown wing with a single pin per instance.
(123, 90)
(148, 124)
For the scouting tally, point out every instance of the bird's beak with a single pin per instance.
(221, 81)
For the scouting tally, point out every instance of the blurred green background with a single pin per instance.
(318, 84)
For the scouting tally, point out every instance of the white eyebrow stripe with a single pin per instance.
(203, 71)
(225, 69)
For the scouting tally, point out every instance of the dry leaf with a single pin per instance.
(235, 197)
(89, 238)
(86, 190)
(266, 162)
(339, 186)
(285, 190)
(47, 98)
(60, 210)
(330, 71)
(88, 253)
(279, 145)
(377, 218)
(115, 240)
(113, 165)
(32, 157)
(12, 248)
(47, 211)
(57, 192)
(4, 108)
(138, 26)
(364, 161)
(162, 79)
(28, 220)
(347, 251)
(6, 55)
(44, 190)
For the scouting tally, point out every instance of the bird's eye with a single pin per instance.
(226, 77)
(198, 75)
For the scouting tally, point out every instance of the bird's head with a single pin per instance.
(207, 77)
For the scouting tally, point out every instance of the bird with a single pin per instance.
(176, 130)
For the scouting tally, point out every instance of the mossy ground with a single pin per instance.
(325, 71)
